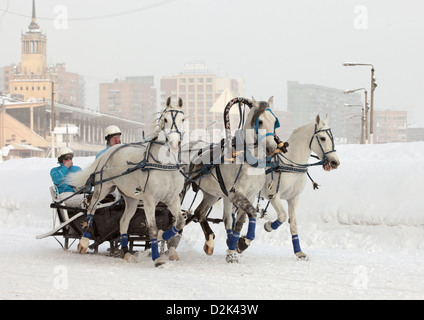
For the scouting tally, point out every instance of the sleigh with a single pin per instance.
(68, 224)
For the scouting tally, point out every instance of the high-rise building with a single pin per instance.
(201, 91)
(133, 98)
(305, 101)
(390, 126)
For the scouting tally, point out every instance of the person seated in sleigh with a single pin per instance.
(59, 175)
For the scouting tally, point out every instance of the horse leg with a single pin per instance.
(150, 212)
(130, 209)
(233, 236)
(228, 219)
(99, 194)
(245, 207)
(200, 213)
(282, 215)
(172, 247)
(173, 235)
(292, 204)
(232, 239)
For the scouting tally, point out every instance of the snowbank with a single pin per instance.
(376, 191)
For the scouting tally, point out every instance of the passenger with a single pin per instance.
(112, 136)
(59, 175)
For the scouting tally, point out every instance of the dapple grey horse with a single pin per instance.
(152, 175)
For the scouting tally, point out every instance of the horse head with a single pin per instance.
(171, 124)
(322, 144)
(262, 123)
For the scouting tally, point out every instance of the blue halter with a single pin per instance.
(276, 126)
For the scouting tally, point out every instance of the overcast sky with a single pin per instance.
(267, 42)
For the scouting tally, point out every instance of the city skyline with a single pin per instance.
(267, 44)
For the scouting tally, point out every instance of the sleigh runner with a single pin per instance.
(68, 224)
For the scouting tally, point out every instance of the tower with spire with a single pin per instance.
(32, 79)
(34, 48)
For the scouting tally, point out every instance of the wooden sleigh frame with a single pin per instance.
(67, 224)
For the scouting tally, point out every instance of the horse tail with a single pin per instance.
(80, 178)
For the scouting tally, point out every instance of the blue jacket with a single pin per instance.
(103, 151)
(58, 176)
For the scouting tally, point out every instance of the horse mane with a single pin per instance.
(297, 130)
(156, 125)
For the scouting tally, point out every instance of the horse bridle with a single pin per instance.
(174, 114)
(276, 126)
(330, 135)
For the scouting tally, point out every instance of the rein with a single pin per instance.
(278, 165)
(143, 165)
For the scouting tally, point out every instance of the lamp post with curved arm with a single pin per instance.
(373, 86)
(366, 108)
(362, 120)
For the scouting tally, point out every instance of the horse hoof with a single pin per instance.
(231, 257)
(301, 256)
(267, 226)
(81, 249)
(208, 250)
(159, 262)
(173, 255)
(83, 245)
(242, 244)
(128, 257)
(209, 245)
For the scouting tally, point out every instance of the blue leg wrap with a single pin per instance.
(169, 233)
(276, 224)
(251, 230)
(232, 240)
(296, 244)
(234, 219)
(87, 235)
(155, 249)
(124, 240)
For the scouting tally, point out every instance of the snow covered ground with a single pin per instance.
(363, 231)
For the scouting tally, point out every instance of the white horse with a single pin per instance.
(240, 181)
(287, 176)
(147, 171)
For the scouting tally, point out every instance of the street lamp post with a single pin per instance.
(362, 120)
(366, 109)
(373, 86)
(52, 118)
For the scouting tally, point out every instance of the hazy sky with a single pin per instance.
(267, 42)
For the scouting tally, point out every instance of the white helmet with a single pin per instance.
(112, 130)
(64, 150)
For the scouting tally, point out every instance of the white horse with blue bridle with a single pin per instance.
(287, 176)
(146, 171)
(239, 181)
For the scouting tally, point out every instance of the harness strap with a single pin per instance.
(221, 181)
(143, 165)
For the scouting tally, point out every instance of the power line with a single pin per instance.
(106, 16)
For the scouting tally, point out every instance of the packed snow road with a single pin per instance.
(41, 270)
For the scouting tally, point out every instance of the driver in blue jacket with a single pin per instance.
(59, 174)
